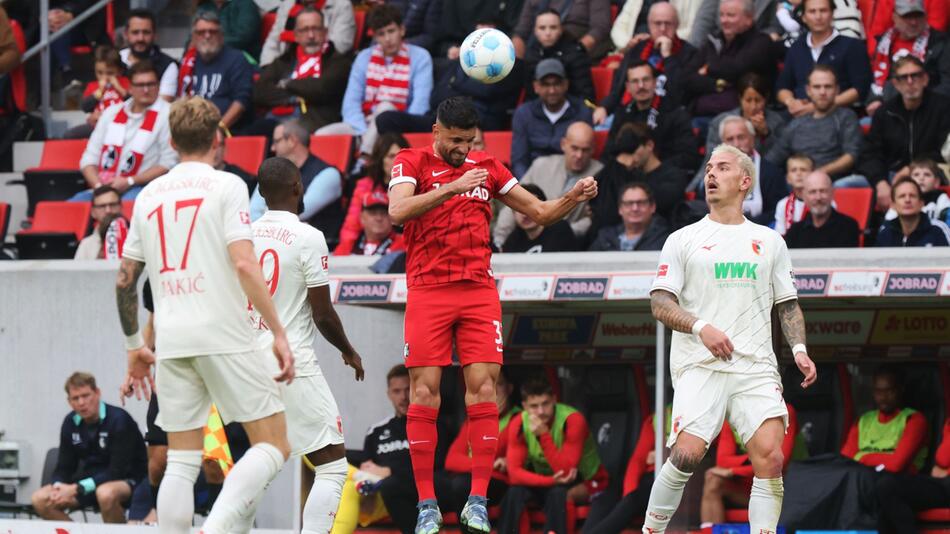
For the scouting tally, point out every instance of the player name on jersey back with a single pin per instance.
(451, 242)
(729, 276)
(181, 227)
(294, 257)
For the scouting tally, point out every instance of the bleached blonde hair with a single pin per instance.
(746, 165)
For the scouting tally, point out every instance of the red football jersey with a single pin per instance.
(451, 242)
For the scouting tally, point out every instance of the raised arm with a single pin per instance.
(550, 211)
(404, 204)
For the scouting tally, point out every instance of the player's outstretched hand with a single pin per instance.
(584, 190)
(807, 367)
(353, 360)
(717, 342)
(285, 358)
(468, 181)
(138, 378)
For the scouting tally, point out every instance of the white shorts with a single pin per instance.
(240, 385)
(702, 399)
(313, 419)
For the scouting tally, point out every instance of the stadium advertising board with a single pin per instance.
(911, 327)
(835, 328)
(364, 290)
(629, 286)
(564, 330)
(811, 284)
(400, 291)
(856, 283)
(912, 284)
(526, 288)
(625, 330)
(580, 288)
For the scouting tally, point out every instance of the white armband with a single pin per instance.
(135, 341)
(698, 326)
(799, 348)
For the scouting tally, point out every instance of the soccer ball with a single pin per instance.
(487, 55)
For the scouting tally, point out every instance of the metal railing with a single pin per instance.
(43, 48)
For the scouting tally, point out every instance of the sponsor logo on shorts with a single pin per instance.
(912, 284)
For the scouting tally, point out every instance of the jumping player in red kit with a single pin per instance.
(442, 194)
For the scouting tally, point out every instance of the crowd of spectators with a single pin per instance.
(806, 87)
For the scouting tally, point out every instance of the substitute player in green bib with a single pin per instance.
(716, 285)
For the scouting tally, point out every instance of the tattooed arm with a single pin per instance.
(793, 326)
(127, 295)
(138, 379)
(666, 308)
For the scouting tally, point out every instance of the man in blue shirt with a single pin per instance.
(101, 457)
(322, 183)
(390, 75)
(218, 72)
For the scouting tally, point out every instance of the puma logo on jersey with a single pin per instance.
(736, 270)
(439, 173)
(709, 247)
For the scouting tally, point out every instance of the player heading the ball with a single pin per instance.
(442, 194)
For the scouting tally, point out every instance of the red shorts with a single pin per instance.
(467, 312)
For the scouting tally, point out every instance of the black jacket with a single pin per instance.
(936, 62)
(533, 134)
(494, 102)
(672, 67)
(557, 237)
(111, 449)
(673, 136)
(667, 182)
(324, 95)
(576, 64)
(927, 234)
(899, 136)
(652, 239)
(386, 444)
(839, 231)
(748, 52)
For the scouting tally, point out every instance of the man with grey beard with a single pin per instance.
(217, 72)
(823, 226)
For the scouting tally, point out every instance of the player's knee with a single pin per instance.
(772, 462)
(686, 457)
(426, 395)
(107, 496)
(40, 498)
(712, 485)
(156, 468)
(485, 391)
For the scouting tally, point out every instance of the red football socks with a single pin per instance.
(423, 436)
(483, 440)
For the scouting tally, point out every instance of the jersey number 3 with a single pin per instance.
(159, 214)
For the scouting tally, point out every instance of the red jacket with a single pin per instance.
(728, 456)
(878, 17)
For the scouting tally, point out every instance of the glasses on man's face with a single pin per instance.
(145, 85)
(634, 203)
(904, 78)
(107, 205)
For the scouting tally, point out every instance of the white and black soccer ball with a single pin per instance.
(487, 55)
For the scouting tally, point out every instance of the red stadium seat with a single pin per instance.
(4, 221)
(127, 207)
(246, 152)
(418, 140)
(333, 149)
(61, 155)
(946, 189)
(855, 203)
(61, 218)
(600, 143)
(498, 144)
(936, 515)
(267, 23)
(359, 16)
(602, 77)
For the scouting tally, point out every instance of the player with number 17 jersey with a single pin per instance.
(448, 261)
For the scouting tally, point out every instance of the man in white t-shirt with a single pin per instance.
(729, 271)
(294, 258)
(192, 230)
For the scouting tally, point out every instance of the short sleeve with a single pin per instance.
(132, 248)
(670, 273)
(502, 178)
(405, 169)
(314, 256)
(783, 281)
(237, 213)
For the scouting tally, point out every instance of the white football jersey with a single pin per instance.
(181, 227)
(730, 276)
(294, 257)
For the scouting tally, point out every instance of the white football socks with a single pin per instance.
(324, 498)
(765, 504)
(664, 498)
(243, 487)
(176, 502)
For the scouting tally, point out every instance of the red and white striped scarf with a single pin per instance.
(306, 66)
(881, 63)
(121, 158)
(387, 83)
(186, 73)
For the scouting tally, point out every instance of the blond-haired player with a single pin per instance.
(191, 229)
(716, 285)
